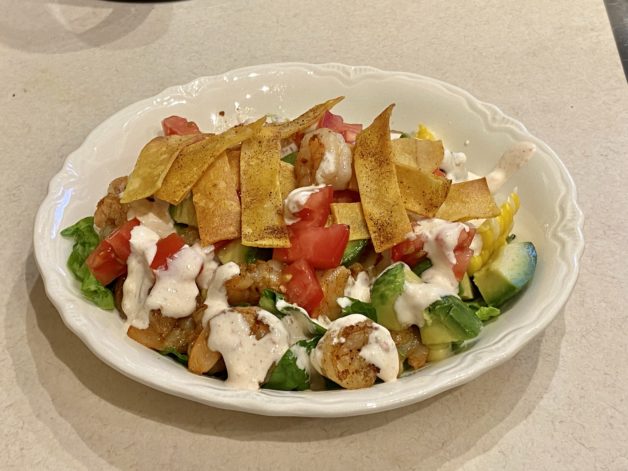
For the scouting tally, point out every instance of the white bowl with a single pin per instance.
(549, 217)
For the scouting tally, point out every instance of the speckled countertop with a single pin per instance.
(561, 403)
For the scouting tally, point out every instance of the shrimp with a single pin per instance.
(247, 287)
(201, 358)
(110, 213)
(341, 361)
(333, 283)
(324, 158)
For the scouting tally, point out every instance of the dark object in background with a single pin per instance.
(617, 11)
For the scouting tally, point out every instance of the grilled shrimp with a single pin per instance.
(324, 158)
(110, 213)
(340, 360)
(409, 346)
(333, 283)
(247, 287)
(202, 359)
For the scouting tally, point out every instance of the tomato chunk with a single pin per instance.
(166, 248)
(315, 210)
(409, 251)
(336, 123)
(463, 253)
(321, 247)
(176, 125)
(108, 260)
(303, 288)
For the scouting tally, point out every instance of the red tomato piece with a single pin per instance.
(120, 239)
(176, 125)
(316, 209)
(409, 251)
(303, 288)
(463, 253)
(321, 247)
(166, 248)
(220, 244)
(104, 264)
(439, 173)
(336, 123)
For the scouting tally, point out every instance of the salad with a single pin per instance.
(304, 254)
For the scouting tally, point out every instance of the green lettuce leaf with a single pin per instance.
(287, 375)
(85, 241)
(360, 307)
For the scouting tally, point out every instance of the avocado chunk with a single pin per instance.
(465, 288)
(388, 286)
(234, 251)
(507, 273)
(352, 251)
(449, 320)
(184, 212)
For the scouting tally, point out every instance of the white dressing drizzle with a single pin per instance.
(511, 161)
(175, 290)
(216, 299)
(209, 267)
(359, 288)
(247, 359)
(153, 214)
(140, 278)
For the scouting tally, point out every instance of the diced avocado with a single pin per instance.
(234, 251)
(449, 320)
(386, 289)
(439, 352)
(508, 271)
(352, 251)
(465, 288)
(423, 265)
(184, 212)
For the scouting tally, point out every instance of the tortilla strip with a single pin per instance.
(287, 179)
(307, 119)
(192, 162)
(262, 205)
(152, 165)
(216, 203)
(421, 192)
(383, 207)
(352, 215)
(233, 155)
(468, 200)
(419, 153)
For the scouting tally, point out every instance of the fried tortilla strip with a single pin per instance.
(216, 203)
(468, 200)
(352, 215)
(262, 205)
(287, 179)
(152, 165)
(307, 119)
(422, 192)
(194, 159)
(383, 207)
(419, 153)
(233, 155)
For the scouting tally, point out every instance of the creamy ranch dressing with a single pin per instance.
(454, 164)
(216, 298)
(335, 166)
(359, 288)
(209, 267)
(416, 297)
(175, 290)
(153, 214)
(379, 351)
(140, 277)
(246, 358)
(295, 201)
(511, 161)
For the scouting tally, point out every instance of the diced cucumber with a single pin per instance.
(423, 265)
(465, 288)
(507, 273)
(234, 251)
(352, 251)
(449, 320)
(291, 158)
(439, 352)
(184, 212)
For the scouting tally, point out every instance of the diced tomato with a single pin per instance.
(176, 125)
(463, 253)
(409, 251)
(220, 244)
(439, 173)
(303, 288)
(321, 247)
(166, 248)
(346, 196)
(316, 209)
(337, 124)
(104, 264)
(108, 260)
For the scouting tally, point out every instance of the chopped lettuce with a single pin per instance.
(287, 374)
(291, 158)
(175, 355)
(268, 302)
(85, 241)
(484, 313)
(360, 307)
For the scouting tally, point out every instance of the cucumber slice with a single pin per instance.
(352, 251)
(184, 212)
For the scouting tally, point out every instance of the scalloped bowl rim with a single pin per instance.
(321, 404)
